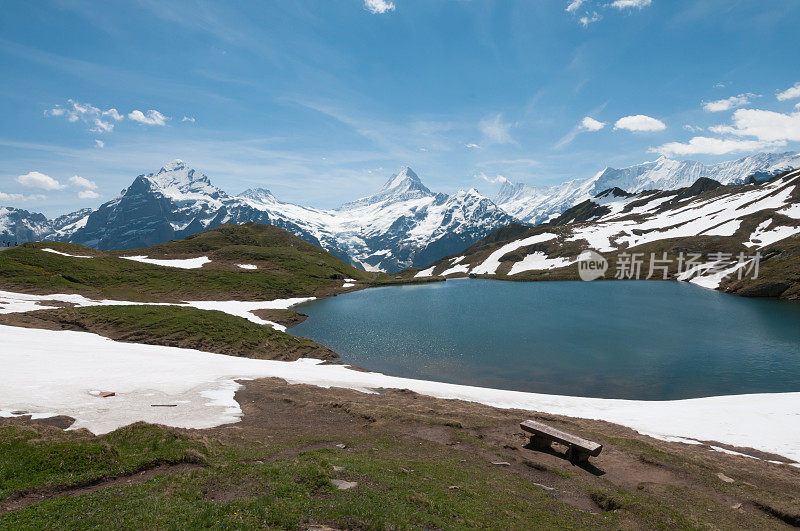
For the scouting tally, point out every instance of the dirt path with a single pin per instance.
(38, 495)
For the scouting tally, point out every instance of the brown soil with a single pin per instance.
(677, 473)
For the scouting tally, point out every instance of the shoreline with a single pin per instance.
(205, 384)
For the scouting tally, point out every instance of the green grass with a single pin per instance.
(29, 460)
(288, 266)
(399, 491)
(207, 330)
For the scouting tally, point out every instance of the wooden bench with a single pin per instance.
(542, 436)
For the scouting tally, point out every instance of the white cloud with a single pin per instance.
(493, 180)
(701, 145)
(82, 182)
(589, 19)
(88, 114)
(187, 119)
(113, 114)
(88, 194)
(625, 4)
(587, 124)
(151, 117)
(496, 131)
(574, 5)
(101, 126)
(378, 6)
(99, 143)
(727, 103)
(590, 124)
(19, 197)
(472, 146)
(35, 179)
(693, 128)
(640, 122)
(790, 93)
(767, 126)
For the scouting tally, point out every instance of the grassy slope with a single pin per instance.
(288, 266)
(275, 469)
(176, 326)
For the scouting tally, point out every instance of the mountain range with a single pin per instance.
(536, 205)
(403, 224)
(724, 226)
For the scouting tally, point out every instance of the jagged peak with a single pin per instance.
(177, 180)
(258, 194)
(404, 181)
(401, 186)
(173, 165)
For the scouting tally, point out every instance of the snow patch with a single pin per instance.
(538, 261)
(66, 254)
(247, 266)
(184, 263)
(58, 380)
(490, 265)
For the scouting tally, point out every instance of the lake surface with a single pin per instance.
(637, 340)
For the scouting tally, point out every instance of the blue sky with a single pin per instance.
(320, 101)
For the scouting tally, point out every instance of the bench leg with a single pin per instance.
(576, 456)
(541, 443)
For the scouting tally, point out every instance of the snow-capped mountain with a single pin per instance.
(403, 224)
(706, 218)
(537, 205)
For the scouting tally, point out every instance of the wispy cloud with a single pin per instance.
(21, 197)
(88, 194)
(574, 5)
(790, 93)
(495, 130)
(379, 6)
(99, 121)
(588, 124)
(630, 4)
(35, 179)
(589, 19)
(492, 180)
(187, 119)
(701, 145)
(640, 123)
(99, 143)
(728, 103)
(472, 146)
(82, 182)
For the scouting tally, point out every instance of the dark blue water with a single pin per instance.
(637, 340)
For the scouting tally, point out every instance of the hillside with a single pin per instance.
(705, 218)
(276, 264)
(538, 205)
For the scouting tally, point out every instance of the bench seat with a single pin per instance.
(542, 436)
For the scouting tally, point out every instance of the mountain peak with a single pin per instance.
(176, 180)
(404, 181)
(401, 186)
(173, 165)
(262, 195)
